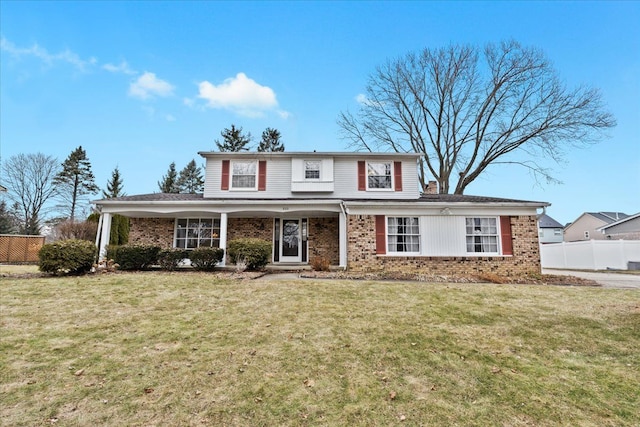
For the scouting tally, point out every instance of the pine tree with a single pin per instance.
(271, 141)
(234, 140)
(114, 186)
(75, 181)
(119, 224)
(7, 220)
(190, 179)
(169, 182)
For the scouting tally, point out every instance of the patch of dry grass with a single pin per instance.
(196, 349)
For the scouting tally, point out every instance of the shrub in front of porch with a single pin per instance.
(254, 252)
(134, 257)
(205, 259)
(170, 259)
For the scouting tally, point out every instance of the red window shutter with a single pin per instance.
(362, 176)
(505, 235)
(397, 171)
(381, 235)
(225, 175)
(262, 175)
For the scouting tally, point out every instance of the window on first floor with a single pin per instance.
(243, 175)
(482, 235)
(403, 234)
(379, 175)
(192, 233)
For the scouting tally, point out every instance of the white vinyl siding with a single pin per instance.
(285, 175)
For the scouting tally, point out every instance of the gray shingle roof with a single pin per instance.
(609, 217)
(545, 221)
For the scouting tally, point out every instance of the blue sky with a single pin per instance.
(142, 84)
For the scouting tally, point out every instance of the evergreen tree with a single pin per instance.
(234, 140)
(271, 141)
(75, 181)
(190, 179)
(169, 182)
(119, 224)
(114, 186)
(7, 220)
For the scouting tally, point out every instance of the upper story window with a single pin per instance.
(482, 235)
(379, 175)
(403, 234)
(243, 175)
(192, 233)
(312, 169)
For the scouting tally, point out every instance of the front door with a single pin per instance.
(291, 241)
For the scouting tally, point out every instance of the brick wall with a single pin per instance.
(152, 231)
(362, 253)
(256, 228)
(324, 239)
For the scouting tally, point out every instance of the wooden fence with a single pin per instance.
(16, 248)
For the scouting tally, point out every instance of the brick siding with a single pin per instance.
(362, 253)
(152, 231)
(255, 228)
(324, 239)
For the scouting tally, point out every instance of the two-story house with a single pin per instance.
(360, 211)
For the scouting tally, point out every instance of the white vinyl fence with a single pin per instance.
(590, 254)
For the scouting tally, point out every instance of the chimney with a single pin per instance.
(432, 187)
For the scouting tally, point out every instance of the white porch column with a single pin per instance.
(223, 237)
(342, 230)
(105, 218)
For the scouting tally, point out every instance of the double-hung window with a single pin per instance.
(192, 233)
(379, 175)
(243, 175)
(312, 169)
(482, 235)
(403, 234)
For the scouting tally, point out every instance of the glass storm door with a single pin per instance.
(290, 241)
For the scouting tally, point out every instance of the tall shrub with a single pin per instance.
(70, 257)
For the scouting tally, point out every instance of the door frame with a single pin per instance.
(302, 257)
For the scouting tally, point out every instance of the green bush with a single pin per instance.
(256, 253)
(133, 257)
(169, 259)
(67, 257)
(206, 259)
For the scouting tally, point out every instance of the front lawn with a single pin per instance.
(199, 349)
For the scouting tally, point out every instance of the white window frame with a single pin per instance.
(199, 236)
(391, 178)
(414, 235)
(482, 233)
(255, 175)
(305, 170)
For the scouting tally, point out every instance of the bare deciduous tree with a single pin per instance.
(466, 109)
(29, 181)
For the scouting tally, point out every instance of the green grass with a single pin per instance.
(198, 349)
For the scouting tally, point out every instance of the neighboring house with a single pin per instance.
(550, 230)
(360, 211)
(627, 228)
(587, 225)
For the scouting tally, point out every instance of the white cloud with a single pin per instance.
(148, 85)
(123, 68)
(239, 94)
(48, 58)
(170, 118)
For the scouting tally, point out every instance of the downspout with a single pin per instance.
(343, 247)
